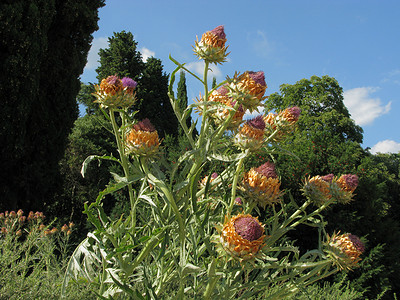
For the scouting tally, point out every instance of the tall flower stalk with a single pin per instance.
(195, 233)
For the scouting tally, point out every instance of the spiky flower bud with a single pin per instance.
(142, 139)
(242, 237)
(261, 185)
(251, 134)
(115, 93)
(317, 189)
(345, 250)
(211, 47)
(248, 88)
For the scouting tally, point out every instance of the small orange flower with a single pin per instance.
(343, 188)
(251, 134)
(143, 139)
(249, 89)
(114, 92)
(345, 250)
(262, 185)
(317, 189)
(211, 47)
(242, 237)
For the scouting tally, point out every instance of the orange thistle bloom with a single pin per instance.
(291, 114)
(248, 88)
(251, 134)
(242, 237)
(143, 139)
(64, 228)
(317, 189)
(262, 185)
(114, 92)
(211, 47)
(111, 85)
(342, 188)
(345, 250)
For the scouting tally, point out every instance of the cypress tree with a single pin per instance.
(43, 50)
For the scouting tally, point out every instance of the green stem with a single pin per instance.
(123, 156)
(205, 108)
(234, 184)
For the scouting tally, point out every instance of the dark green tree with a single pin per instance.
(154, 102)
(120, 58)
(182, 97)
(44, 45)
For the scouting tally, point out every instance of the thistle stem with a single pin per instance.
(234, 184)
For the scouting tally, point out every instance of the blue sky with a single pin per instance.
(356, 42)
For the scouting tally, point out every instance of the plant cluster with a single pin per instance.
(195, 233)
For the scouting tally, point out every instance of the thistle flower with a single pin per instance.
(261, 185)
(251, 134)
(343, 188)
(64, 228)
(280, 125)
(142, 139)
(211, 47)
(114, 92)
(129, 85)
(248, 88)
(223, 107)
(344, 250)
(241, 237)
(317, 189)
(291, 114)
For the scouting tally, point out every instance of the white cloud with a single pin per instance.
(146, 53)
(198, 68)
(386, 146)
(262, 45)
(93, 56)
(363, 108)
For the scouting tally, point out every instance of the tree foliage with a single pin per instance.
(43, 51)
(328, 141)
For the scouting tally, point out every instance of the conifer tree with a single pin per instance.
(43, 52)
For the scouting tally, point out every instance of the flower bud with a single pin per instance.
(344, 250)
(242, 237)
(248, 88)
(143, 139)
(261, 185)
(211, 47)
(114, 92)
(251, 134)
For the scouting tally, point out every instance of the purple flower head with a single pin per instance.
(144, 125)
(257, 122)
(357, 242)
(295, 111)
(222, 90)
(219, 32)
(258, 77)
(214, 175)
(240, 108)
(248, 228)
(129, 83)
(267, 169)
(351, 180)
(238, 201)
(112, 80)
(327, 178)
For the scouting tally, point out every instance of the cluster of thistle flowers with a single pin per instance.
(242, 236)
(329, 188)
(15, 223)
(116, 93)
